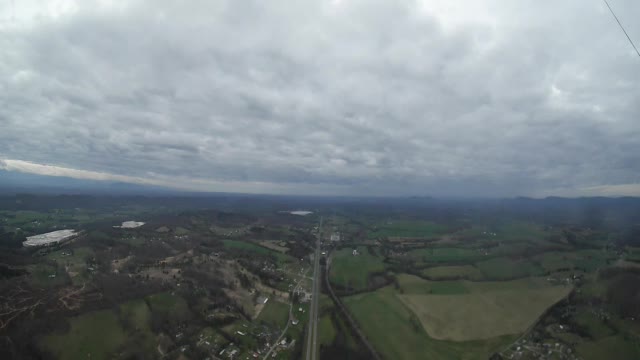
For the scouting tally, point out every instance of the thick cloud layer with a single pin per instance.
(365, 97)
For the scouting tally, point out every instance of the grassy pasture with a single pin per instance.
(136, 316)
(519, 230)
(482, 315)
(137, 313)
(612, 347)
(591, 260)
(181, 231)
(173, 307)
(95, 335)
(407, 229)
(274, 245)
(275, 313)
(411, 284)
(453, 272)
(633, 254)
(507, 268)
(326, 330)
(75, 263)
(446, 254)
(554, 261)
(587, 260)
(397, 334)
(529, 283)
(596, 327)
(414, 285)
(251, 247)
(39, 275)
(353, 271)
(244, 245)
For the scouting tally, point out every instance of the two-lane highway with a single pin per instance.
(312, 333)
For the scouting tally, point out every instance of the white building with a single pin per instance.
(48, 239)
(131, 224)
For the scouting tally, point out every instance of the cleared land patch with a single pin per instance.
(482, 315)
(279, 246)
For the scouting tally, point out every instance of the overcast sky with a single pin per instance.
(367, 97)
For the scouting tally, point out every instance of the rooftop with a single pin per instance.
(131, 224)
(49, 238)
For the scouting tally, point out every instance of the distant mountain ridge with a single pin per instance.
(12, 182)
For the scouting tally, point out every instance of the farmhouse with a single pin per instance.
(51, 238)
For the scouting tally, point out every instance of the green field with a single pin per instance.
(596, 328)
(397, 333)
(592, 260)
(45, 275)
(95, 335)
(409, 229)
(520, 231)
(251, 247)
(507, 268)
(554, 261)
(470, 319)
(136, 316)
(482, 315)
(275, 313)
(612, 347)
(586, 260)
(633, 254)
(446, 255)
(453, 272)
(181, 231)
(76, 262)
(136, 313)
(410, 284)
(172, 308)
(353, 271)
(326, 331)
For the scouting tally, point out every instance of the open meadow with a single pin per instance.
(352, 271)
(482, 315)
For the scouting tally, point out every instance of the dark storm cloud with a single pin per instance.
(362, 97)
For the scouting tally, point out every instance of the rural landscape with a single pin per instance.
(238, 277)
(319, 180)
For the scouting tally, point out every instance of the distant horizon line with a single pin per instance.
(158, 182)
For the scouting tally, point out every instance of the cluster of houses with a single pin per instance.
(235, 351)
(526, 349)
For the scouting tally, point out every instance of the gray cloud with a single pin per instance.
(350, 97)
